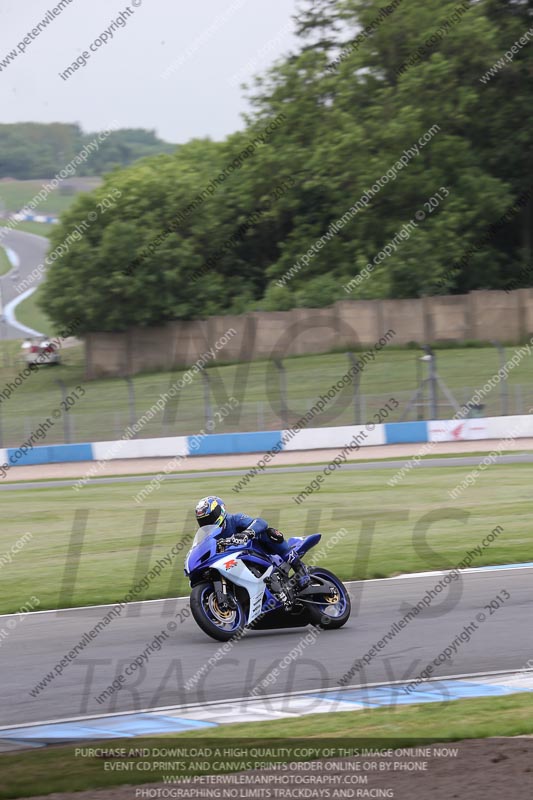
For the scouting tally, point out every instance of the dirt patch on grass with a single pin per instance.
(483, 769)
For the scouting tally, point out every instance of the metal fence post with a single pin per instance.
(504, 391)
(66, 419)
(260, 415)
(519, 400)
(421, 401)
(208, 411)
(131, 403)
(282, 392)
(363, 407)
(433, 388)
(356, 391)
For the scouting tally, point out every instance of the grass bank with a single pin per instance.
(105, 413)
(31, 315)
(5, 263)
(389, 530)
(39, 228)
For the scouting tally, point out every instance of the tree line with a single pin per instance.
(32, 150)
(354, 105)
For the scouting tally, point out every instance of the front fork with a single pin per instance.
(225, 599)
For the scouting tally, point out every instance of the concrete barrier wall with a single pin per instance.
(319, 438)
(51, 454)
(230, 443)
(50, 219)
(480, 315)
(405, 432)
(141, 448)
(513, 427)
(262, 442)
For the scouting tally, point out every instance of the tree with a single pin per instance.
(393, 159)
(30, 150)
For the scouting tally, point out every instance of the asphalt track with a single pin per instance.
(36, 643)
(31, 251)
(40, 641)
(457, 461)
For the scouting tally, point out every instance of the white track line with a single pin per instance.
(9, 313)
(13, 257)
(212, 703)
(9, 308)
(84, 608)
(489, 568)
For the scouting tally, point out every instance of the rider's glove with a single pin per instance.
(244, 536)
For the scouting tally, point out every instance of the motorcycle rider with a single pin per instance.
(212, 511)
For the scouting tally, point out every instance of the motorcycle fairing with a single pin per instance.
(203, 555)
(304, 543)
(232, 566)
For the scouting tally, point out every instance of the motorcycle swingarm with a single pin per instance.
(312, 590)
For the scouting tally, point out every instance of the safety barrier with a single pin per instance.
(49, 219)
(49, 454)
(353, 436)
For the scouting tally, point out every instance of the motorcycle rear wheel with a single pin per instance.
(334, 612)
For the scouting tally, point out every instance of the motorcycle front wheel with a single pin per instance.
(220, 624)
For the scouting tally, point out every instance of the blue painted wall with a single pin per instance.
(225, 443)
(52, 454)
(403, 432)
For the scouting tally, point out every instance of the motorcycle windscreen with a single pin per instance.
(203, 532)
(203, 546)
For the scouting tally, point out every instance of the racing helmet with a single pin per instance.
(211, 511)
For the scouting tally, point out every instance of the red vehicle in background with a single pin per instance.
(42, 351)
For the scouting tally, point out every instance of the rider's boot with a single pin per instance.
(291, 557)
(276, 587)
(300, 570)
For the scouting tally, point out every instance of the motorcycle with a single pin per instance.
(238, 585)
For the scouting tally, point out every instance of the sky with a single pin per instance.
(172, 66)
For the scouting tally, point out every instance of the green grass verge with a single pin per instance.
(30, 314)
(271, 469)
(15, 195)
(406, 528)
(39, 393)
(40, 228)
(5, 263)
(104, 414)
(57, 769)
